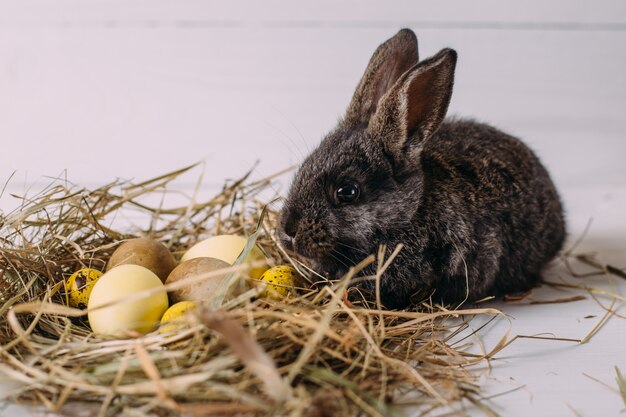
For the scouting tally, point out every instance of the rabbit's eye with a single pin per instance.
(347, 193)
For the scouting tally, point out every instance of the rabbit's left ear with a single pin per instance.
(390, 60)
(416, 105)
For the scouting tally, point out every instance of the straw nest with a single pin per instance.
(314, 353)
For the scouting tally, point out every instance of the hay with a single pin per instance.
(314, 354)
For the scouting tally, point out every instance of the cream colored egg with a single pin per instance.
(226, 248)
(137, 314)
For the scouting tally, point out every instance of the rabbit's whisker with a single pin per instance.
(361, 251)
(339, 260)
(345, 257)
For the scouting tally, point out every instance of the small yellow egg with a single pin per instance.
(226, 248)
(138, 314)
(175, 313)
(79, 285)
(284, 276)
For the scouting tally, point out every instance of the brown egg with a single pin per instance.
(198, 290)
(144, 252)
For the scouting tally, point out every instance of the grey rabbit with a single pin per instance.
(475, 209)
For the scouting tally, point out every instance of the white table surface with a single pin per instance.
(132, 89)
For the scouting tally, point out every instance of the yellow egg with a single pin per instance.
(79, 285)
(284, 276)
(139, 314)
(226, 248)
(175, 313)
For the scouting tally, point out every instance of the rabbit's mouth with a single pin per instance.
(322, 257)
(327, 261)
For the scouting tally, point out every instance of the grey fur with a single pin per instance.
(475, 209)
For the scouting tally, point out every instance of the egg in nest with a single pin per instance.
(116, 308)
(280, 280)
(79, 285)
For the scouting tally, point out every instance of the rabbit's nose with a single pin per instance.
(286, 240)
(287, 230)
(289, 225)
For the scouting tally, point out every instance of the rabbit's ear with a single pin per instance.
(390, 60)
(416, 105)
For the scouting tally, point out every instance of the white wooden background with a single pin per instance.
(135, 88)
